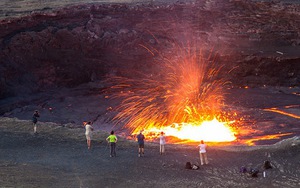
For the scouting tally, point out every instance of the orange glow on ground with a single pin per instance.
(282, 112)
(209, 131)
(251, 142)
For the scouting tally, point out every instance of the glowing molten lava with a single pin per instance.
(185, 87)
(210, 131)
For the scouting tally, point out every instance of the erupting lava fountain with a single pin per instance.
(184, 100)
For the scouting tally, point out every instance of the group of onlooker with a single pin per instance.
(112, 140)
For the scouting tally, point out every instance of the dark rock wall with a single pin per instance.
(257, 72)
(79, 44)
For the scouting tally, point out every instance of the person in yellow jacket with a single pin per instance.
(112, 140)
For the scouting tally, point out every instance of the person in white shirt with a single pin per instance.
(202, 152)
(88, 133)
(162, 142)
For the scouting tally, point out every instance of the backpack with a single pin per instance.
(195, 167)
(243, 169)
(253, 173)
(188, 165)
(267, 165)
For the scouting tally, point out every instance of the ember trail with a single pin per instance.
(184, 99)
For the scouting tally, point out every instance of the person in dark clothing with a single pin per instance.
(35, 117)
(140, 138)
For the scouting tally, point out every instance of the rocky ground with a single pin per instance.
(58, 157)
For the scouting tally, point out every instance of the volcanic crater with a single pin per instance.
(56, 59)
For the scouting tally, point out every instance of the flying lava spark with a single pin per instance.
(184, 99)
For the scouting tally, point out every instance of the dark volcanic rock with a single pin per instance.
(83, 43)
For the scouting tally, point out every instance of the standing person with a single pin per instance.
(202, 152)
(88, 133)
(112, 140)
(162, 142)
(35, 117)
(140, 138)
